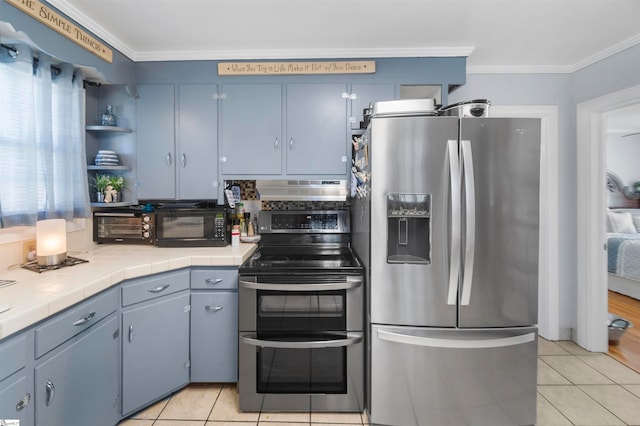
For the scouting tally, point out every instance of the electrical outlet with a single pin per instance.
(28, 247)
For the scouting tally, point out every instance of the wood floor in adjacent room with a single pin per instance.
(628, 351)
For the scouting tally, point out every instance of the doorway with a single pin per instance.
(592, 296)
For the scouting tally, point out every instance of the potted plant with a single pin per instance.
(117, 183)
(100, 183)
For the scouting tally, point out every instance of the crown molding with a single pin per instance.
(185, 55)
(548, 69)
(610, 51)
(93, 27)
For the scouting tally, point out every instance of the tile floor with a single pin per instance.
(575, 387)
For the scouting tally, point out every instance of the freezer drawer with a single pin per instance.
(429, 376)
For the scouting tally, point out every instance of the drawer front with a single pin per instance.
(219, 278)
(147, 288)
(72, 322)
(13, 356)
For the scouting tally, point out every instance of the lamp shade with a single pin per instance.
(51, 241)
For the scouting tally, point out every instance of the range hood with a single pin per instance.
(303, 190)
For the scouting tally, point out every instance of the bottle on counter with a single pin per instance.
(247, 221)
(244, 225)
(235, 234)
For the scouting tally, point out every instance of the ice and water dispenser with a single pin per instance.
(409, 228)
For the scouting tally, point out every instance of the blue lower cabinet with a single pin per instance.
(16, 399)
(78, 384)
(155, 350)
(214, 336)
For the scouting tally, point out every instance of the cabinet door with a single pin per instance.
(316, 129)
(252, 129)
(156, 142)
(197, 162)
(155, 350)
(214, 337)
(364, 94)
(16, 400)
(79, 384)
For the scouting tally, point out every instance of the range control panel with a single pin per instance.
(304, 221)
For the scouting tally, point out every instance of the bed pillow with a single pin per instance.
(620, 223)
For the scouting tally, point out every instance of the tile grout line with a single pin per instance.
(551, 403)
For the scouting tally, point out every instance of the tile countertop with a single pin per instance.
(36, 296)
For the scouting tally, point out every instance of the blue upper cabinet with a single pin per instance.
(316, 136)
(197, 144)
(155, 141)
(177, 141)
(314, 140)
(251, 129)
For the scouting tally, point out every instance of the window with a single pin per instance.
(42, 154)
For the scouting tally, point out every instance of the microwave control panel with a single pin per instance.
(220, 226)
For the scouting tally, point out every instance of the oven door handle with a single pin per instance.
(351, 339)
(351, 283)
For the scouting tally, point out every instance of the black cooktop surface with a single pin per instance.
(302, 260)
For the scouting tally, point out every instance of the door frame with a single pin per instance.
(548, 272)
(591, 288)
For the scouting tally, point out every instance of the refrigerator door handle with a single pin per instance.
(470, 216)
(454, 261)
(433, 342)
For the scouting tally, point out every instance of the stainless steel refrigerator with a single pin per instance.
(445, 219)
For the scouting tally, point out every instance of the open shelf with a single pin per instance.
(94, 167)
(107, 129)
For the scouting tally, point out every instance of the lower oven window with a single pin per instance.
(302, 370)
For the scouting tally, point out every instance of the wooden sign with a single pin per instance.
(60, 24)
(282, 68)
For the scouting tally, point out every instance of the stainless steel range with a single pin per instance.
(301, 316)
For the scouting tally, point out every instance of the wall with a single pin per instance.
(611, 74)
(623, 155)
(442, 71)
(120, 71)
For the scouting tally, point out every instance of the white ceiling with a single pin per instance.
(496, 35)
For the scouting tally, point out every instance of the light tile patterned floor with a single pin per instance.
(575, 387)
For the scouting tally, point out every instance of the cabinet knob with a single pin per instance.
(183, 159)
(168, 159)
(291, 144)
(343, 158)
(223, 159)
(276, 145)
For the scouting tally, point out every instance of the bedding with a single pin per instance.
(623, 251)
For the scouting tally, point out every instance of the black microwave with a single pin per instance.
(124, 226)
(192, 227)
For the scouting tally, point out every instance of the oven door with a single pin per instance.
(301, 372)
(301, 303)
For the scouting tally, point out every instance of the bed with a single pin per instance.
(623, 251)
